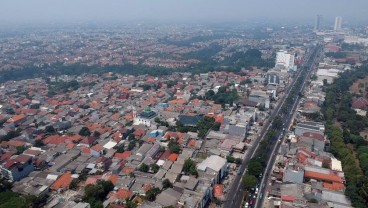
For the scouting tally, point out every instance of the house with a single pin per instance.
(62, 183)
(309, 126)
(17, 167)
(214, 164)
(97, 150)
(145, 118)
(168, 197)
(189, 120)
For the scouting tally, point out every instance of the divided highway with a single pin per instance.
(234, 197)
(288, 119)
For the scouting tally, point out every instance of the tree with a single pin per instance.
(313, 200)
(254, 167)
(84, 131)
(189, 167)
(249, 181)
(152, 193)
(38, 143)
(230, 159)
(155, 167)
(166, 184)
(131, 145)
(50, 129)
(20, 149)
(120, 149)
(95, 194)
(130, 204)
(216, 126)
(74, 184)
(174, 146)
(143, 168)
(96, 134)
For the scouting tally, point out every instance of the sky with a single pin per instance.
(71, 11)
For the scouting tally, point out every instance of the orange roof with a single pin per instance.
(127, 170)
(17, 118)
(63, 182)
(122, 194)
(323, 177)
(123, 155)
(70, 146)
(217, 191)
(173, 157)
(54, 139)
(92, 180)
(147, 187)
(15, 143)
(86, 150)
(334, 186)
(288, 198)
(115, 116)
(97, 148)
(151, 139)
(192, 143)
(177, 101)
(113, 178)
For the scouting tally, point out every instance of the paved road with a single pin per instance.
(234, 197)
(288, 118)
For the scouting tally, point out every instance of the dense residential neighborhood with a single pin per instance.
(178, 135)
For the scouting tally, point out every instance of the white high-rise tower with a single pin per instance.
(338, 21)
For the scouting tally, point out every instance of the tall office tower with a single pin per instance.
(338, 21)
(318, 22)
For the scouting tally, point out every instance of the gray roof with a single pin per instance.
(237, 130)
(334, 196)
(144, 149)
(168, 197)
(293, 176)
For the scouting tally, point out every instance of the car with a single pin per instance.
(239, 172)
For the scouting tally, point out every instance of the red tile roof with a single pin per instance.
(217, 191)
(313, 136)
(122, 194)
(288, 198)
(97, 148)
(63, 182)
(334, 186)
(123, 155)
(173, 157)
(323, 177)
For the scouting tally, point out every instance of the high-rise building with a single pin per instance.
(338, 21)
(318, 22)
(285, 59)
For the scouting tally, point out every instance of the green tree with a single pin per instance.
(131, 145)
(174, 146)
(143, 168)
(155, 167)
(20, 149)
(255, 167)
(189, 167)
(50, 129)
(166, 184)
(38, 143)
(84, 131)
(249, 181)
(230, 159)
(152, 193)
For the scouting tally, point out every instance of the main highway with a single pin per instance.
(234, 197)
(288, 118)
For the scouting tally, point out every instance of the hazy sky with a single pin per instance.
(27, 11)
